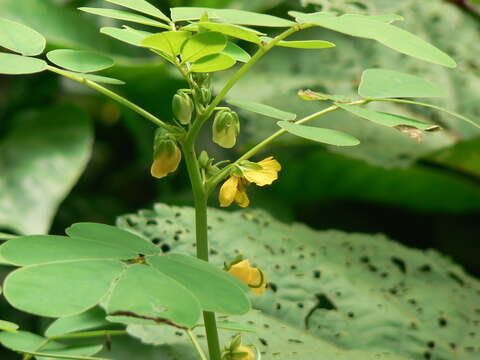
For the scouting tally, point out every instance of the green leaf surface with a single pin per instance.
(12, 64)
(80, 60)
(231, 16)
(8, 326)
(389, 35)
(24, 341)
(386, 119)
(306, 44)
(381, 83)
(93, 77)
(168, 42)
(91, 319)
(125, 16)
(141, 6)
(40, 161)
(203, 44)
(216, 291)
(327, 287)
(20, 38)
(112, 235)
(235, 31)
(39, 289)
(147, 294)
(127, 35)
(236, 52)
(263, 109)
(212, 63)
(326, 136)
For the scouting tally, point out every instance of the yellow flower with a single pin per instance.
(249, 353)
(234, 188)
(166, 162)
(250, 275)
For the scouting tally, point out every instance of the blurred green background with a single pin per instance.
(68, 154)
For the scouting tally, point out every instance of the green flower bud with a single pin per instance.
(166, 154)
(203, 160)
(205, 95)
(182, 106)
(226, 127)
(202, 79)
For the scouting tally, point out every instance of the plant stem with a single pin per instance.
(56, 356)
(120, 99)
(88, 334)
(197, 125)
(201, 232)
(196, 345)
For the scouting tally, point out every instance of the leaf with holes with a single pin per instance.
(98, 263)
(381, 83)
(20, 38)
(79, 60)
(389, 35)
(332, 284)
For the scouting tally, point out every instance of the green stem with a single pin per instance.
(201, 231)
(196, 345)
(197, 125)
(213, 182)
(56, 356)
(120, 99)
(88, 334)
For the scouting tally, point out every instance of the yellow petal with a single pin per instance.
(241, 196)
(166, 163)
(249, 353)
(242, 270)
(265, 176)
(228, 191)
(259, 283)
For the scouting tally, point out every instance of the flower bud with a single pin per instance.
(205, 95)
(226, 127)
(202, 79)
(166, 154)
(250, 275)
(236, 351)
(182, 106)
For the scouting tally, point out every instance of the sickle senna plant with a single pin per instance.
(99, 265)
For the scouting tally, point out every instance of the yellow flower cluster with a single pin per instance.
(234, 188)
(250, 275)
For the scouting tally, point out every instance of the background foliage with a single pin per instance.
(420, 195)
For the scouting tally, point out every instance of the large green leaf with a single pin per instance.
(236, 52)
(28, 342)
(141, 6)
(235, 31)
(103, 264)
(8, 326)
(80, 60)
(389, 35)
(20, 38)
(128, 35)
(231, 16)
(326, 136)
(40, 161)
(335, 286)
(381, 83)
(12, 64)
(168, 42)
